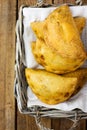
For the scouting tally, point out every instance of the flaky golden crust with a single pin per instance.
(50, 88)
(80, 23)
(81, 75)
(51, 61)
(38, 26)
(61, 34)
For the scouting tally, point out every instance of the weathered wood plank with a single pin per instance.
(65, 124)
(68, 1)
(48, 1)
(31, 2)
(58, 1)
(28, 122)
(25, 122)
(85, 2)
(64, 1)
(7, 57)
(46, 122)
(2, 82)
(26, 2)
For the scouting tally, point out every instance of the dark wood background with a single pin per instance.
(10, 117)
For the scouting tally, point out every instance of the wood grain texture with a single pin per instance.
(49, 1)
(68, 1)
(46, 122)
(7, 54)
(65, 124)
(85, 2)
(64, 1)
(25, 122)
(26, 2)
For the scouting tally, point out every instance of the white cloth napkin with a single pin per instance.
(39, 14)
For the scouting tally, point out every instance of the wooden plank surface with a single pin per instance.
(7, 56)
(10, 117)
(65, 124)
(64, 1)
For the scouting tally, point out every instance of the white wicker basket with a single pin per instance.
(21, 84)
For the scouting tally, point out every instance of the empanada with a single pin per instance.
(51, 60)
(61, 34)
(50, 88)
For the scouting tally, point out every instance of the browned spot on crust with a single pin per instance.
(28, 77)
(79, 87)
(33, 87)
(75, 66)
(77, 90)
(59, 93)
(35, 31)
(46, 99)
(36, 56)
(66, 94)
(37, 94)
(42, 57)
(52, 69)
(44, 64)
(59, 11)
(82, 28)
(84, 77)
(57, 100)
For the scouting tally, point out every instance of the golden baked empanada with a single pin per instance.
(61, 34)
(51, 60)
(50, 88)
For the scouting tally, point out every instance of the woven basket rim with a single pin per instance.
(18, 89)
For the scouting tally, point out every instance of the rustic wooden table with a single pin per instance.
(10, 117)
